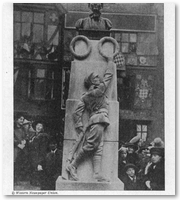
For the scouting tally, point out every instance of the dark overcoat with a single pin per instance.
(19, 136)
(52, 169)
(156, 176)
(38, 146)
(131, 185)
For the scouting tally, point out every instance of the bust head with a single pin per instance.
(95, 8)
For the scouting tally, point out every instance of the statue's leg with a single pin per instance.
(93, 138)
(93, 144)
(97, 158)
(72, 168)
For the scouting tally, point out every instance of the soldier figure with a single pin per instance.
(95, 102)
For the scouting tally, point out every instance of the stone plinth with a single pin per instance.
(81, 68)
(62, 184)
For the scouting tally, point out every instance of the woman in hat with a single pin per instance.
(132, 156)
(19, 148)
(157, 142)
(155, 175)
(122, 161)
(28, 128)
(131, 180)
(144, 157)
(38, 145)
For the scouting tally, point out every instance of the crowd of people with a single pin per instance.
(37, 157)
(141, 167)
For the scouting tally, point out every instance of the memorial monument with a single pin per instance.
(90, 149)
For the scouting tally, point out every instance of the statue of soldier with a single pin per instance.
(96, 103)
(94, 21)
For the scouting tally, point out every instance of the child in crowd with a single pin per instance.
(131, 180)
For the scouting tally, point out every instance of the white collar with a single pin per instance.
(132, 178)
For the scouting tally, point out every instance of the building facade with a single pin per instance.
(42, 64)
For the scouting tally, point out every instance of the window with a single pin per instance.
(65, 86)
(20, 81)
(127, 41)
(36, 34)
(141, 130)
(29, 24)
(125, 90)
(41, 84)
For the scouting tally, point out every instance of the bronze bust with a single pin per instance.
(94, 21)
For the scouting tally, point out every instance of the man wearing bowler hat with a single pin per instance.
(155, 177)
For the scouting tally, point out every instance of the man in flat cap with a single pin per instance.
(131, 180)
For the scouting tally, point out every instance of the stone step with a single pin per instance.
(62, 184)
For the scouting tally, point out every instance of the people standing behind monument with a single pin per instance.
(38, 145)
(122, 161)
(52, 166)
(94, 21)
(27, 125)
(28, 129)
(157, 142)
(95, 102)
(20, 149)
(155, 171)
(144, 158)
(132, 156)
(131, 179)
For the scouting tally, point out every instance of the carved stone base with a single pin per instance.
(62, 184)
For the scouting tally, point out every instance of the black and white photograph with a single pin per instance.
(89, 98)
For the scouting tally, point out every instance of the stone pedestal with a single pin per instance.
(68, 185)
(80, 69)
